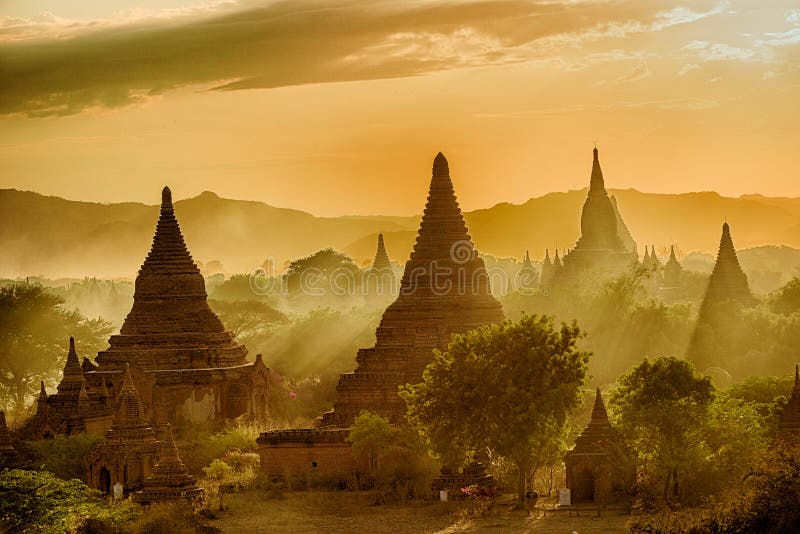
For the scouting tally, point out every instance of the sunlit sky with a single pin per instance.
(338, 107)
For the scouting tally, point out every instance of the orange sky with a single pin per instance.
(339, 107)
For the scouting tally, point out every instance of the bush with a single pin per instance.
(207, 446)
(767, 500)
(166, 518)
(39, 502)
(64, 456)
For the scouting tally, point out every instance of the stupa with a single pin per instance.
(170, 480)
(591, 465)
(444, 290)
(186, 366)
(602, 245)
(381, 281)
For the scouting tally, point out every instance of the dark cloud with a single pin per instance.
(281, 44)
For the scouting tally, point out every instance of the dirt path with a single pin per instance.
(328, 512)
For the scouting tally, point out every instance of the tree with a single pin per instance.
(506, 389)
(662, 408)
(34, 338)
(369, 436)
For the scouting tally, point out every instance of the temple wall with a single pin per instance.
(307, 458)
(98, 426)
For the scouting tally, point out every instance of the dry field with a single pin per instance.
(329, 512)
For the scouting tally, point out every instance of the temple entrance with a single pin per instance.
(262, 407)
(104, 480)
(584, 487)
(235, 402)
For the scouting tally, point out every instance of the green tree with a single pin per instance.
(34, 338)
(662, 408)
(787, 299)
(370, 435)
(506, 389)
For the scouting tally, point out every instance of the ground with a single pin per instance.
(334, 512)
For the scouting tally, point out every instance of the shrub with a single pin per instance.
(64, 456)
(39, 502)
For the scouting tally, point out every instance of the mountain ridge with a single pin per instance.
(52, 236)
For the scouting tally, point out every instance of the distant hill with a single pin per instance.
(54, 237)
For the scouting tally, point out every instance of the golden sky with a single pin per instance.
(338, 107)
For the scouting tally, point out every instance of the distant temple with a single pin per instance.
(728, 281)
(186, 366)
(444, 290)
(527, 278)
(605, 244)
(789, 422)
(727, 286)
(592, 467)
(380, 277)
(673, 271)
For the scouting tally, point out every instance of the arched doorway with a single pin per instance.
(104, 480)
(235, 401)
(584, 486)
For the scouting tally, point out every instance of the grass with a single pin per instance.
(346, 512)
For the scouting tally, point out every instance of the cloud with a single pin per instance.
(52, 66)
(686, 69)
(687, 103)
(639, 72)
(707, 51)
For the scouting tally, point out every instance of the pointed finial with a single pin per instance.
(599, 413)
(72, 347)
(166, 198)
(595, 153)
(127, 382)
(42, 391)
(83, 395)
(259, 358)
(797, 376)
(440, 166)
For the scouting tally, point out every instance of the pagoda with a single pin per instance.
(548, 273)
(789, 421)
(187, 368)
(381, 281)
(592, 465)
(527, 279)
(602, 245)
(728, 281)
(444, 290)
(672, 270)
(127, 453)
(170, 480)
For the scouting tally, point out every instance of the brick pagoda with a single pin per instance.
(444, 290)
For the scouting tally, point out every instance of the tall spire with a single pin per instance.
(130, 411)
(547, 260)
(672, 254)
(646, 259)
(73, 373)
(381, 260)
(653, 258)
(599, 413)
(597, 185)
(526, 263)
(727, 281)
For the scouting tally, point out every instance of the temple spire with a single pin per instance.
(73, 372)
(130, 411)
(597, 184)
(599, 413)
(672, 254)
(526, 263)
(381, 260)
(728, 281)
